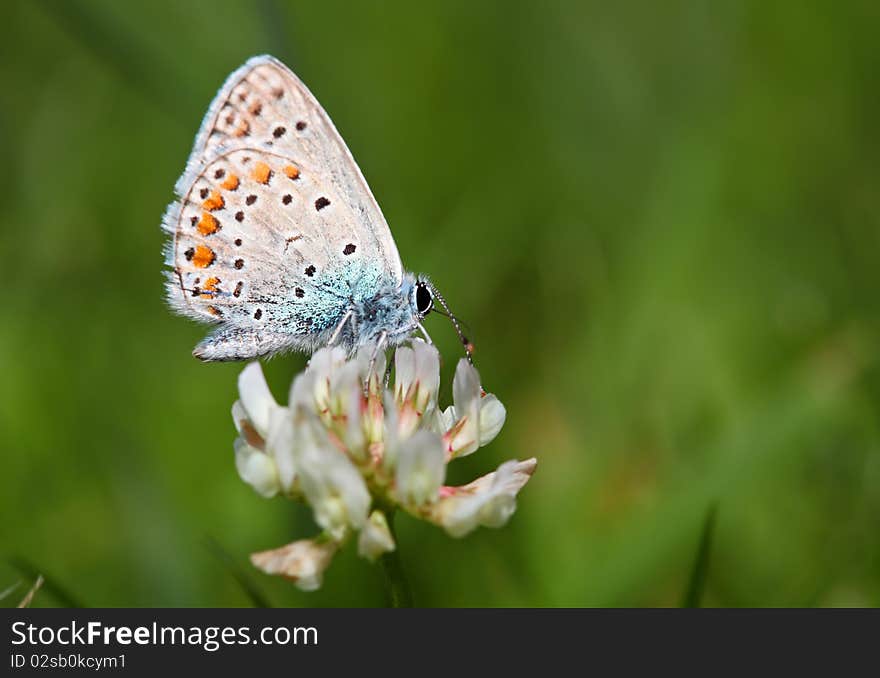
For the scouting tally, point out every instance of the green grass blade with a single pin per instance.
(241, 577)
(50, 584)
(7, 591)
(697, 583)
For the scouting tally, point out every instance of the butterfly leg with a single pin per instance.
(387, 379)
(338, 330)
(380, 345)
(425, 333)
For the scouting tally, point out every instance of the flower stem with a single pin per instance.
(396, 585)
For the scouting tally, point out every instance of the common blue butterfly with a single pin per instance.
(276, 236)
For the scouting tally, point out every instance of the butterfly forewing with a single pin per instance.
(272, 208)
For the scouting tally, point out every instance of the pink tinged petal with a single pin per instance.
(255, 397)
(421, 469)
(404, 372)
(408, 420)
(374, 418)
(462, 439)
(488, 501)
(356, 433)
(417, 382)
(256, 468)
(375, 537)
(417, 377)
(302, 562)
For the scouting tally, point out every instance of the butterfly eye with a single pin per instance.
(424, 299)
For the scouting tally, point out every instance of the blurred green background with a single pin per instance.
(660, 221)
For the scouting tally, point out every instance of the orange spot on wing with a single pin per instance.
(214, 311)
(244, 127)
(210, 288)
(203, 256)
(214, 201)
(291, 172)
(230, 184)
(261, 173)
(208, 224)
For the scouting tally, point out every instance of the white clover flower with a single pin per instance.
(355, 451)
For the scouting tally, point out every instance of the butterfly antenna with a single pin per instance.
(468, 346)
(464, 325)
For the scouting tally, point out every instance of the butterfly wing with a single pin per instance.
(275, 222)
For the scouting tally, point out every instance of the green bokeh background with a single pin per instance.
(660, 221)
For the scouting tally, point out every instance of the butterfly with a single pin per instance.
(276, 237)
